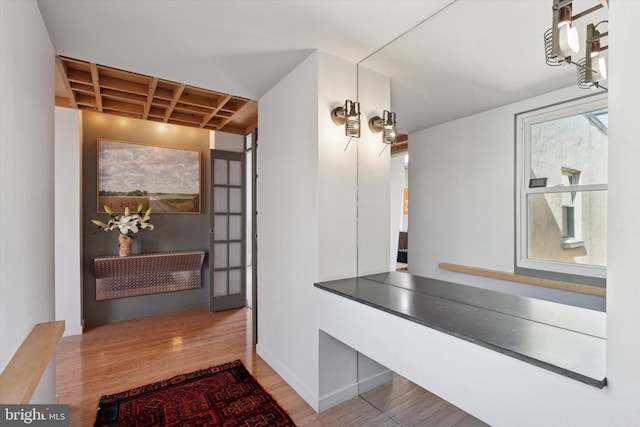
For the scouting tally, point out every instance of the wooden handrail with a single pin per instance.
(529, 280)
(21, 376)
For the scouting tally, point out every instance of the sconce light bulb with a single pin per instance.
(389, 134)
(349, 116)
(601, 67)
(569, 41)
(352, 128)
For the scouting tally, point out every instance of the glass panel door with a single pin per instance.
(227, 236)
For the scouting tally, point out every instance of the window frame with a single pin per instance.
(585, 273)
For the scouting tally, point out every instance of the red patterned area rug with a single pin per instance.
(225, 395)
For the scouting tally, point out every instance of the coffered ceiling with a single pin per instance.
(90, 86)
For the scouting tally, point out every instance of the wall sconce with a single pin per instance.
(593, 68)
(386, 125)
(561, 40)
(349, 116)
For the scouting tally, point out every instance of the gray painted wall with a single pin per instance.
(172, 231)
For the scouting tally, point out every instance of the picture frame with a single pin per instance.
(163, 178)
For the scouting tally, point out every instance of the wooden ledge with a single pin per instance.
(22, 375)
(529, 280)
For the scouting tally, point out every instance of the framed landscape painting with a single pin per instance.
(165, 179)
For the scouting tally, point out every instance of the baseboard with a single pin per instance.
(320, 404)
(337, 397)
(72, 330)
(289, 377)
(374, 381)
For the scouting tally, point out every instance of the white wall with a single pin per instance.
(336, 172)
(623, 292)
(462, 199)
(226, 141)
(288, 242)
(26, 181)
(68, 255)
(307, 220)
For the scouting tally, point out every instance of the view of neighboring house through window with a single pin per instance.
(561, 205)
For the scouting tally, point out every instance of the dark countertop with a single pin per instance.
(564, 339)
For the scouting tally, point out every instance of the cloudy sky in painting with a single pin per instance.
(128, 167)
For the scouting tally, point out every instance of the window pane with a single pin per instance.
(220, 255)
(568, 227)
(235, 254)
(220, 285)
(235, 281)
(235, 227)
(235, 200)
(235, 172)
(219, 171)
(220, 227)
(220, 203)
(570, 150)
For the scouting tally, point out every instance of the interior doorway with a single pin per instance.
(233, 237)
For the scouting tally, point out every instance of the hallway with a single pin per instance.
(115, 357)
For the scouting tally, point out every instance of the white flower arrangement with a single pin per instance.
(128, 224)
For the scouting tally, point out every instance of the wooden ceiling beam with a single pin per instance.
(124, 85)
(126, 107)
(81, 87)
(181, 123)
(156, 112)
(122, 113)
(210, 116)
(234, 105)
(200, 101)
(124, 96)
(164, 93)
(402, 143)
(192, 109)
(86, 100)
(152, 90)
(160, 102)
(79, 76)
(214, 123)
(233, 129)
(61, 101)
(184, 117)
(62, 69)
(224, 122)
(225, 119)
(95, 78)
(176, 96)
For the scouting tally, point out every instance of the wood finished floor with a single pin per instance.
(115, 357)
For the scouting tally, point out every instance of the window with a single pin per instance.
(561, 189)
